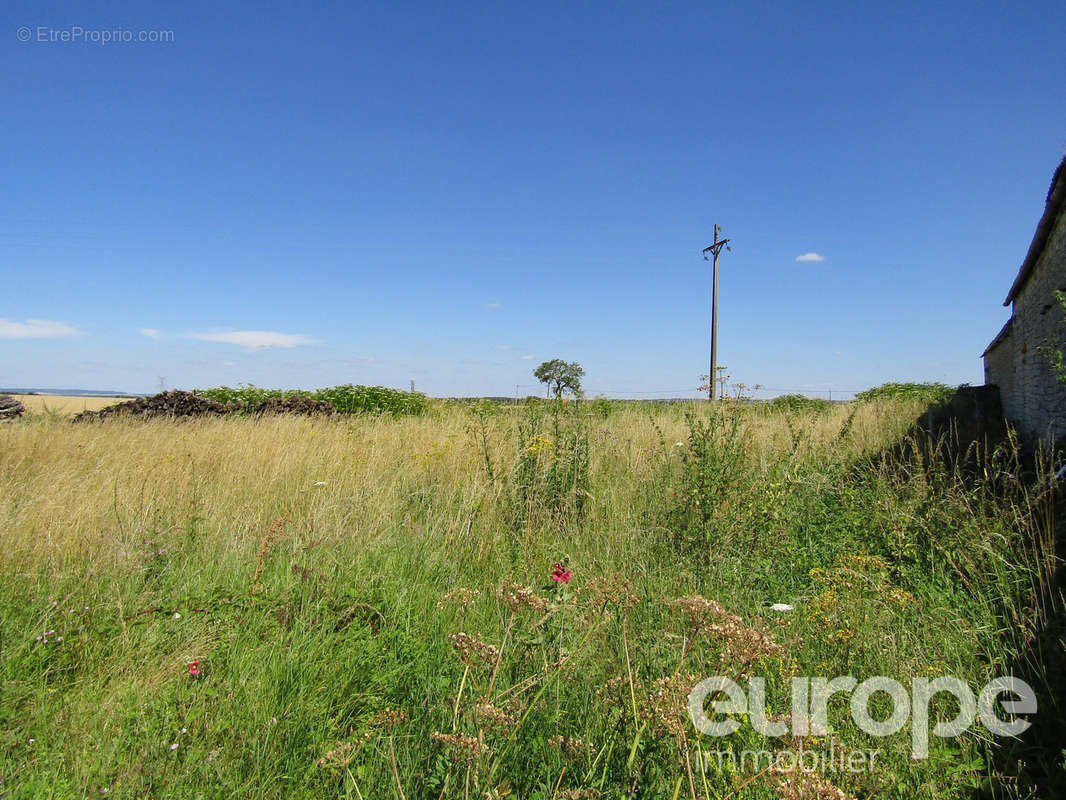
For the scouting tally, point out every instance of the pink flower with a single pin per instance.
(194, 667)
(559, 574)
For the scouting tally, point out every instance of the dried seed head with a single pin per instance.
(468, 647)
(609, 591)
(494, 717)
(466, 748)
(569, 745)
(461, 597)
(578, 794)
(521, 598)
(702, 613)
(339, 757)
(388, 718)
(803, 785)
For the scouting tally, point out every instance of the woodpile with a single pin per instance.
(304, 405)
(175, 403)
(10, 408)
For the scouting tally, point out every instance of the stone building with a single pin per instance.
(1016, 361)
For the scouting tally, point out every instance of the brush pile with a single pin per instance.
(10, 408)
(175, 403)
(301, 404)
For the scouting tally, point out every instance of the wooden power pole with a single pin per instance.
(713, 249)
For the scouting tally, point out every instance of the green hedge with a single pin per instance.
(931, 393)
(347, 399)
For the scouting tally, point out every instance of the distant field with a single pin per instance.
(63, 404)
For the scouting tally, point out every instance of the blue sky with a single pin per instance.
(453, 193)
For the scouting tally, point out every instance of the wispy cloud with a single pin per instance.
(527, 357)
(492, 305)
(35, 329)
(255, 340)
(151, 333)
(810, 257)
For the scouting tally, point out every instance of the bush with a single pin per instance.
(797, 403)
(347, 399)
(350, 399)
(931, 393)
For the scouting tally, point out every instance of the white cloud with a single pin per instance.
(35, 329)
(527, 357)
(493, 305)
(809, 257)
(151, 333)
(255, 340)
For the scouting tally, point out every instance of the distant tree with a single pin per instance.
(560, 376)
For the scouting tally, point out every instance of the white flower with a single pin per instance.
(782, 607)
(679, 444)
(177, 615)
(31, 741)
(183, 731)
(320, 483)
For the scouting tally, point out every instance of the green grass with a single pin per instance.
(305, 564)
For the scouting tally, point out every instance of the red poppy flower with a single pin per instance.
(194, 667)
(559, 574)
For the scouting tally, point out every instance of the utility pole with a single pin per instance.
(714, 248)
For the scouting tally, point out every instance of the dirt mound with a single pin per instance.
(166, 404)
(296, 405)
(10, 408)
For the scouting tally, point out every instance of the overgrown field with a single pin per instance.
(364, 606)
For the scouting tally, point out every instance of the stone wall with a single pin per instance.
(1032, 397)
(999, 371)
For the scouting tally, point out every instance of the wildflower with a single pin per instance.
(174, 747)
(559, 574)
(194, 668)
(183, 731)
(320, 483)
(177, 615)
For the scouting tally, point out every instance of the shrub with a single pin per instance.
(931, 393)
(796, 403)
(347, 399)
(350, 399)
